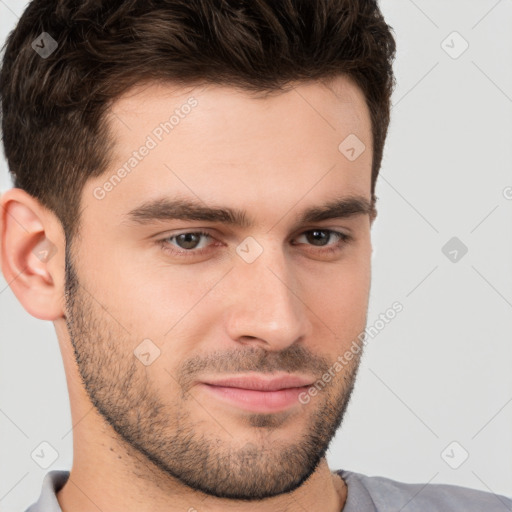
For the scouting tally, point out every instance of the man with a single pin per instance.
(194, 194)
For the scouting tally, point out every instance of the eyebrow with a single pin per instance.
(188, 209)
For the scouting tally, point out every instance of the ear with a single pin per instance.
(32, 259)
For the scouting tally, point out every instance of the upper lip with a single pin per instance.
(262, 382)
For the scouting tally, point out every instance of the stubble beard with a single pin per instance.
(166, 435)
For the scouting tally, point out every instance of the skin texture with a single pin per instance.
(151, 437)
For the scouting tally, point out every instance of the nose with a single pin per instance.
(265, 307)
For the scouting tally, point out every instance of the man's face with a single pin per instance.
(183, 340)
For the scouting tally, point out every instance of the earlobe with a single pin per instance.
(30, 255)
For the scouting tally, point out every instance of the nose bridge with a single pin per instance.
(265, 306)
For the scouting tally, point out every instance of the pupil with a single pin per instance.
(323, 236)
(186, 237)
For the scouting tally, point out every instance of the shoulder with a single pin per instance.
(385, 492)
(52, 483)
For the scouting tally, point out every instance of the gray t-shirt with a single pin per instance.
(365, 494)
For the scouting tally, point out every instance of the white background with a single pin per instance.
(441, 370)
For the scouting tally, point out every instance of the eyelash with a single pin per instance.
(164, 243)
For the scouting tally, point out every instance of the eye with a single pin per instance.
(322, 236)
(189, 243)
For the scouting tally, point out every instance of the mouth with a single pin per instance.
(258, 392)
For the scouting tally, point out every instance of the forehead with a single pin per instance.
(337, 104)
(223, 144)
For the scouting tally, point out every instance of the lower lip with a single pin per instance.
(257, 401)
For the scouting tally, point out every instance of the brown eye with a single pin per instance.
(322, 237)
(186, 244)
(188, 240)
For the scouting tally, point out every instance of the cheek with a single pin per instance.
(141, 290)
(344, 305)
(171, 305)
(353, 290)
(339, 298)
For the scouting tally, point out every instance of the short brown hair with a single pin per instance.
(53, 109)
